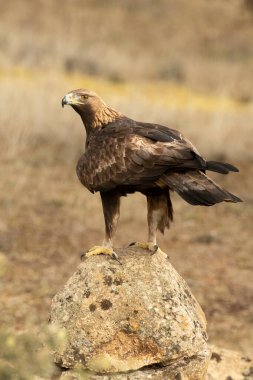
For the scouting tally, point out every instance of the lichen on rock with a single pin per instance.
(130, 316)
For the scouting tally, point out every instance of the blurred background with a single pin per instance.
(184, 64)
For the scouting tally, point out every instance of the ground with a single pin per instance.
(48, 218)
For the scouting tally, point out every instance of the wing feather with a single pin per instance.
(127, 153)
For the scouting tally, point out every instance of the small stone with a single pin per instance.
(229, 365)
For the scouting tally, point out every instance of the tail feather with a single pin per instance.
(220, 167)
(198, 189)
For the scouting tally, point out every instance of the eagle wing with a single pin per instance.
(128, 153)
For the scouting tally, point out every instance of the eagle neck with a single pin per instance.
(95, 120)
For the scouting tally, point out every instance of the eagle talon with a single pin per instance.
(155, 249)
(82, 255)
(116, 257)
(100, 250)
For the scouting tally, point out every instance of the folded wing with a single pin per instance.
(132, 154)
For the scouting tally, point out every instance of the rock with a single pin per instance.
(137, 315)
(229, 365)
(224, 365)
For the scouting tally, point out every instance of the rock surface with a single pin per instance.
(139, 314)
(224, 365)
(229, 365)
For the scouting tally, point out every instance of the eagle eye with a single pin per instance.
(85, 97)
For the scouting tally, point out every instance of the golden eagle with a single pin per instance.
(123, 156)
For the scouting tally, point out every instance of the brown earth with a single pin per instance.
(48, 218)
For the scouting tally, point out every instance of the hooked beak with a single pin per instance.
(70, 99)
(64, 101)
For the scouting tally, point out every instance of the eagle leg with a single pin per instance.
(159, 216)
(111, 206)
(159, 213)
(111, 210)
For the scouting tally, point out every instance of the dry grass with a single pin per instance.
(49, 218)
(30, 108)
(201, 85)
(205, 45)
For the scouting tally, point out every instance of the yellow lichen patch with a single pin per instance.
(109, 363)
(184, 322)
(112, 355)
(134, 325)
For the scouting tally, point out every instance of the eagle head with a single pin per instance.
(82, 99)
(92, 109)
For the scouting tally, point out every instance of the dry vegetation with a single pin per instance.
(186, 64)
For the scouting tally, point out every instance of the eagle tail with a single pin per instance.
(220, 167)
(198, 189)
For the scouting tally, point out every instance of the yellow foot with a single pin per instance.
(100, 250)
(153, 248)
